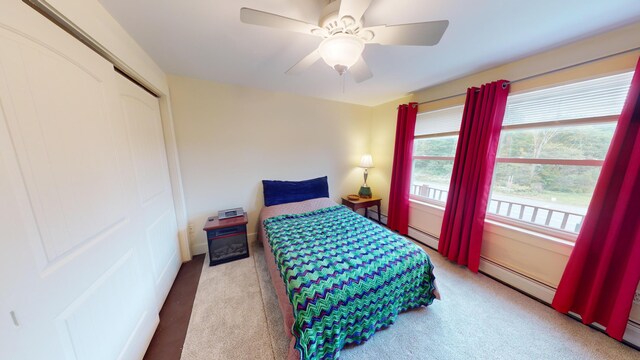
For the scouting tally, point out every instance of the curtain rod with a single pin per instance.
(541, 74)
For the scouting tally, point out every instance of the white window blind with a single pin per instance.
(592, 98)
(439, 121)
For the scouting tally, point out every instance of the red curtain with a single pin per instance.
(603, 271)
(398, 212)
(463, 222)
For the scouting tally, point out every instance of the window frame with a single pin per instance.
(424, 199)
(546, 230)
(501, 219)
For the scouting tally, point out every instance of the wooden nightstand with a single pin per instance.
(362, 204)
(227, 239)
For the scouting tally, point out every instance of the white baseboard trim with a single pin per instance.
(414, 233)
(632, 333)
(200, 248)
(203, 248)
(523, 283)
(423, 238)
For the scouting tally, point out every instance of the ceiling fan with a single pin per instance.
(342, 27)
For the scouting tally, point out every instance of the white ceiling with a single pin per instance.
(205, 39)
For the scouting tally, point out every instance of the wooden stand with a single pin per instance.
(362, 204)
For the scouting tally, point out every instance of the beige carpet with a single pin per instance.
(236, 316)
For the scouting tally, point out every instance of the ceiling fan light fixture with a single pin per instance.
(341, 51)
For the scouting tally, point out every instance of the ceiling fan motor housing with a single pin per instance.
(330, 20)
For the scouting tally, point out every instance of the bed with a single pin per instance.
(338, 276)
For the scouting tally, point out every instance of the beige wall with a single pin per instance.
(231, 137)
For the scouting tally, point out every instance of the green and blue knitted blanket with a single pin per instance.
(345, 276)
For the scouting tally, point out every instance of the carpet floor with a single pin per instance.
(236, 316)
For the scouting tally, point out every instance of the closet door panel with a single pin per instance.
(144, 127)
(64, 136)
(98, 324)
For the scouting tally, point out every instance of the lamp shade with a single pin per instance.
(341, 51)
(366, 161)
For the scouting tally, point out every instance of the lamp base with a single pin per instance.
(365, 192)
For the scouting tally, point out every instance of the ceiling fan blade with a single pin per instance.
(257, 17)
(304, 63)
(418, 34)
(360, 71)
(353, 8)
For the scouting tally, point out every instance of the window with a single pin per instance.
(552, 147)
(436, 138)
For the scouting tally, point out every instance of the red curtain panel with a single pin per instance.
(603, 271)
(398, 213)
(463, 222)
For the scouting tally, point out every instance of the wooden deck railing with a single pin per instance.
(430, 193)
(533, 214)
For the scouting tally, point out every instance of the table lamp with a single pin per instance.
(366, 162)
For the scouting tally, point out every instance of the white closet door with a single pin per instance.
(146, 141)
(88, 240)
